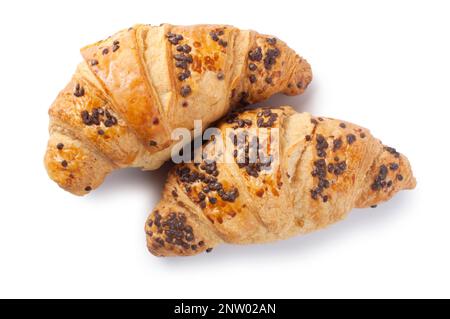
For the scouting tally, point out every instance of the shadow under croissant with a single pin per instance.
(301, 103)
(117, 181)
(358, 220)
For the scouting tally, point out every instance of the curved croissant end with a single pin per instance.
(326, 167)
(135, 87)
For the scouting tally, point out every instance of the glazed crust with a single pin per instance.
(135, 87)
(326, 167)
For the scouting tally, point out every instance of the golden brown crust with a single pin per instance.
(136, 86)
(326, 167)
(117, 63)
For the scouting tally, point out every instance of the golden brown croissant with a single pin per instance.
(326, 167)
(133, 88)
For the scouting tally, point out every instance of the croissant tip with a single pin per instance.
(171, 232)
(74, 167)
(300, 79)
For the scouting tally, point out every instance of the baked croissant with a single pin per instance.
(133, 88)
(325, 168)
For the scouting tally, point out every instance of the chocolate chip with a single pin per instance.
(88, 188)
(184, 48)
(79, 90)
(375, 186)
(201, 196)
(181, 64)
(393, 166)
(272, 41)
(231, 195)
(337, 144)
(174, 38)
(340, 168)
(157, 219)
(214, 36)
(223, 43)
(64, 163)
(105, 51)
(392, 151)
(268, 80)
(94, 62)
(255, 55)
(351, 138)
(108, 123)
(330, 168)
(95, 117)
(159, 241)
(183, 57)
(383, 172)
(399, 177)
(379, 179)
(184, 75)
(152, 143)
(100, 132)
(86, 118)
(60, 146)
(270, 58)
(206, 189)
(185, 90)
(252, 67)
(323, 183)
(220, 75)
(252, 78)
(189, 236)
(321, 145)
(314, 194)
(342, 125)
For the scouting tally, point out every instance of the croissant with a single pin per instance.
(134, 88)
(325, 168)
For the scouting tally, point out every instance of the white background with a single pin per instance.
(382, 64)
